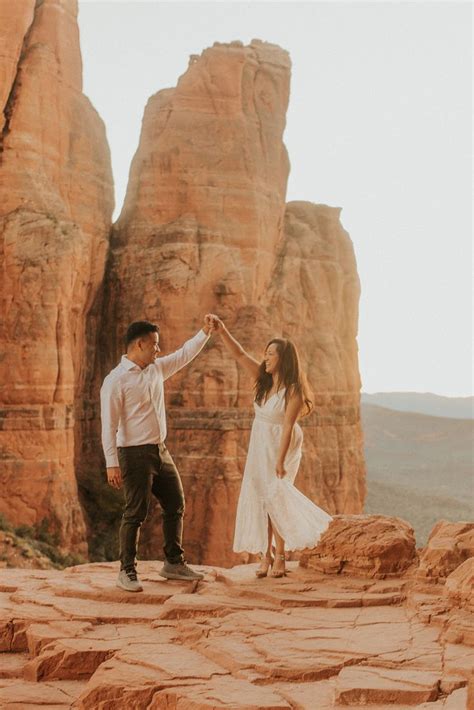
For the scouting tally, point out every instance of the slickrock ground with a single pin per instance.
(307, 641)
(310, 641)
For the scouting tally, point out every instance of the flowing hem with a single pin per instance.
(299, 548)
(295, 518)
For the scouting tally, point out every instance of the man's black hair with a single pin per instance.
(138, 329)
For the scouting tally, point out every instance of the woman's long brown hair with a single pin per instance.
(292, 378)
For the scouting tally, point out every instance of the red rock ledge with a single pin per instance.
(308, 641)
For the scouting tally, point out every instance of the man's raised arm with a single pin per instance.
(170, 364)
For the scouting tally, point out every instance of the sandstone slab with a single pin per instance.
(365, 686)
(231, 641)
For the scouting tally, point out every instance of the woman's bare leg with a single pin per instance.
(279, 563)
(270, 537)
(267, 558)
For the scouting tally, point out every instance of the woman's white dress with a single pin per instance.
(297, 519)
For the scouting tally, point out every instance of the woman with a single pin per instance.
(269, 504)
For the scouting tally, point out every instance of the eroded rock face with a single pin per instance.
(308, 640)
(205, 228)
(459, 585)
(449, 545)
(364, 546)
(55, 210)
(15, 20)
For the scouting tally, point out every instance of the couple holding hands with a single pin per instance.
(271, 513)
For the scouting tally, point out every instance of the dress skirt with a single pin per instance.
(294, 516)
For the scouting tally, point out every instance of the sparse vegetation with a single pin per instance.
(38, 540)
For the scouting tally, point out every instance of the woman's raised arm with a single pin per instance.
(235, 349)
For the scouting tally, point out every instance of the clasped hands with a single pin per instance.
(211, 323)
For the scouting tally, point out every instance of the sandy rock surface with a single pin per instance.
(72, 639)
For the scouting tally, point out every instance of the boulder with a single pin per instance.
(448, 546)
(364, 546)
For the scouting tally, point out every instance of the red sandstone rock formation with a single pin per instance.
(15, 19)
(205, 227)
(310, 640)
(449, 544)
(364, 546)
(55, 209)
(459, 586)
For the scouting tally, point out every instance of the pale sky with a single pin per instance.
(379, 124)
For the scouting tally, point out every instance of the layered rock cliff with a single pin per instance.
(205, 228)
(55, 211)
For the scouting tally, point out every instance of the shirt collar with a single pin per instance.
(128, 364)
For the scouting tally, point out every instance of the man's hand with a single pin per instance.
(114, 477)
(210, 323)
(280, 470)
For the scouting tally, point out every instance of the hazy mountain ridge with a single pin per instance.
(424, 403)
(420, 508)
(419, 467)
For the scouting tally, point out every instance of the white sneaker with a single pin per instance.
(128, 580)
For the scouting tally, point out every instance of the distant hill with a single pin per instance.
(423, 403)
(422, 510)
(419, 467)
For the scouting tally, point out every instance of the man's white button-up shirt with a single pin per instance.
(132, 403)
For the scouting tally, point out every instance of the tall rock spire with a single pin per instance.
(55, 211)
(205, 227)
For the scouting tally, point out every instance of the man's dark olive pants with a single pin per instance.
(149, 470)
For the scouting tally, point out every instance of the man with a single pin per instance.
(133, 436)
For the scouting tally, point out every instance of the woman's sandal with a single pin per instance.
(279, 572)
(265, 564)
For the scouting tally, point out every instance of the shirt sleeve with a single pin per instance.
(170, 364)
(110, 411)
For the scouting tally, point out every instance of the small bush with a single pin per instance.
(24, 531)
(4, 524)
(39, 539)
